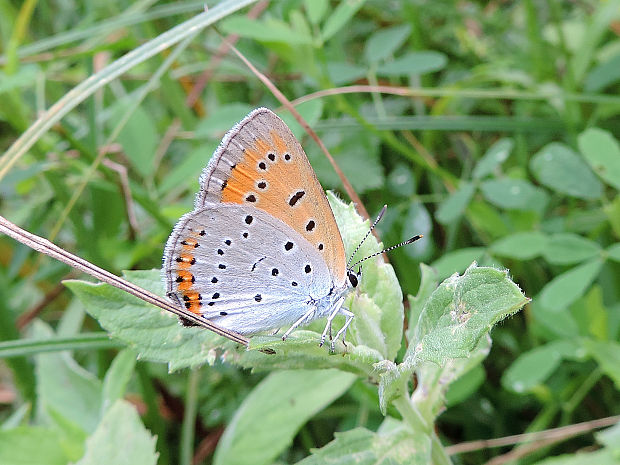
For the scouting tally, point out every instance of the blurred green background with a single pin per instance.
(490, 127)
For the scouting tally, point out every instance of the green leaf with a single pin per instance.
(418, 221)
(428, 283)
(339, 17)
(31, 445)
(602, 153)
(603, 75)
(121, 439)
(71, 435)
(607, 355)
(564, 289)
(66, 388)
(596, 25)
(454, 206)
(300, 25)
(316, 10)
(553, 323)
(301, 350)
(514, 194)
(591, 315)
(435, 380)
(118, 376)
(610, 437)
(364, 172)
(343, 73)
(487, 219)
(521, 245)
(413, 63)
(460, 312)
(613, 252)
(612, 211)
(367, 325)
(600, 457)
(401, 181)
(456, 261)
(562, 170)
(378, 282)
(186, 173)
(25, 77)
(465, 386)
(568, 249)
(154, 333)
(497, 154)
(267, 30)
(281, 404)
(310, 111)
(533, 367)
(455, 318)
(384, 42)
(220, 122)
(138, 137)
(360, 446)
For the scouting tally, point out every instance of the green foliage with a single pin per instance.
(495, 134)
(155, 335)
(282, 403)
(120, 438)
(360, 446)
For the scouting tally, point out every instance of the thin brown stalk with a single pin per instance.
(171, 133)
(521, 451)
(356, 89)
(44, 246)
(428, 158)
(207, 446)
(290, 107)
(556, 434)
(25, 318)
(124, 182)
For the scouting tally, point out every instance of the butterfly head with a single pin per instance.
(354, 277)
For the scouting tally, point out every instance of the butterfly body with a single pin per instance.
(261, 249)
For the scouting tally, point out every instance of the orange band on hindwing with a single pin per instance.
(192, 301)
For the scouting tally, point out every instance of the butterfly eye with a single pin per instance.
(353, 278)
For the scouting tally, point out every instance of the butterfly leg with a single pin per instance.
(330, 318)
(299, 322)
(349, 317)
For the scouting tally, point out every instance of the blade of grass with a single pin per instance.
(451, 123)
(19, 31)
(26, 347)
(189, 417)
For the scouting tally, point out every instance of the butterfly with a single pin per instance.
(261, 250)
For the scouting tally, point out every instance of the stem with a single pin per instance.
(411, 415)
(583, 389)
(419, 424)
(439, 456)
(189, 418)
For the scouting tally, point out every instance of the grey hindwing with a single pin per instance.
(253, 272)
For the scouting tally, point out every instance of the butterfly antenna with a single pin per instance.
(408, 241)
(366, 236)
